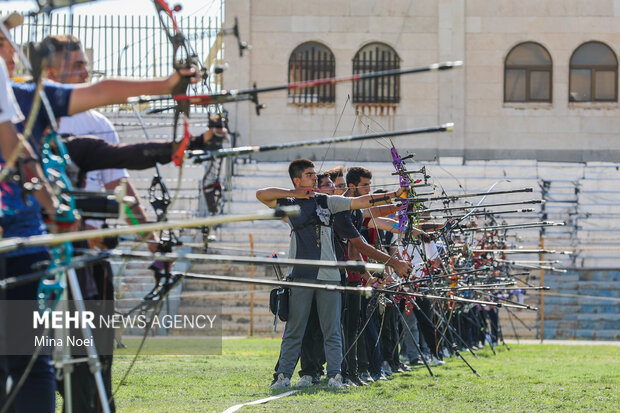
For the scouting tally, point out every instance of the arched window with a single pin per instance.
(372, 58)
(593, 74)
(309, 61)
(527, 74)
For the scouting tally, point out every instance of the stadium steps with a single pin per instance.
(471, 176)
(577, 313)
(234, 298)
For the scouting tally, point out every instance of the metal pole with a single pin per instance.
(251, 288)
(93, 357)
(542, 292)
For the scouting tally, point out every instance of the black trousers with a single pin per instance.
(351, 326)
(493, 317)
(389, 336)
(424, 314)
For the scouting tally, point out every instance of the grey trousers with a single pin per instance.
(328, 305)
(408, 347)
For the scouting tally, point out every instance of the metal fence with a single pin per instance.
(129, 46)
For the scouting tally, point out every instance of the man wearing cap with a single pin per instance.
(10, 143)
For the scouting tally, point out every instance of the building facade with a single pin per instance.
(539, 81)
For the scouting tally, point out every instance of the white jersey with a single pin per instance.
(412, 254)
(9, 109)
(94, 123)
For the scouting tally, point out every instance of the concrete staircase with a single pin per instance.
(234, 299)
(574, 314)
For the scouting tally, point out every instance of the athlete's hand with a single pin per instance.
(302, 193)
(402, 268)
(192, 73)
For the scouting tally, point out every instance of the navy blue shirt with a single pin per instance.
(24, 218)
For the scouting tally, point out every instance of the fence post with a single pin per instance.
(542, 292)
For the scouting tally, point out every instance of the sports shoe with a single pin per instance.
(281, 382)
(358, 381)
(380, 377)
(336, 382)
(348, 382)
(416, 362)
(386, 368)
(404, 367)
(365, 376)
(304, 381)
(438, 362)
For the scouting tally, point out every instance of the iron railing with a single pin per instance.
(125, 46)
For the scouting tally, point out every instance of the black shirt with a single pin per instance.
(347, 225)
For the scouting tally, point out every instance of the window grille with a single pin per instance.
(372, 58)
(309, 61)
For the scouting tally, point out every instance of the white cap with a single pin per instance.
(12, 20)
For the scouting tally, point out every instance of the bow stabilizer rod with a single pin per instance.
(454, 197)
(11, 244)
(358, 266)
(201, 156)
(252, 94)
(514, 226)
(523, 251)
(366, 291)
(465, 207)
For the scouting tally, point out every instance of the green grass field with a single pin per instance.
(526, 378)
